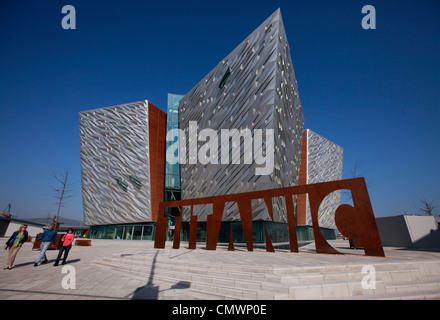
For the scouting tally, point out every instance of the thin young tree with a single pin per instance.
(63, 191)
(355, 173)
(355, 169)
(427, 207)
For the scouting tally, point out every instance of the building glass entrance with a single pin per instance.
(143, 231)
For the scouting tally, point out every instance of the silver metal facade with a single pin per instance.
(324, 163)
(261, 92)
(114, 147)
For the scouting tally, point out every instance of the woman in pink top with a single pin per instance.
(65, 246)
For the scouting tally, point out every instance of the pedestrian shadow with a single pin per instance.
(19, 265)
(72, 261)
(24, 264)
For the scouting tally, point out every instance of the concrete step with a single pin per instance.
(396, 287)
(354, 289)
(175, 293)
(194, 266)
(279, 275)
(425, 267)
(193, 273)
(232, 286)
(385, 275)
(239, 281)
(420, 295)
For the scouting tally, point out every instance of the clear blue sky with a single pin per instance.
(376, 93)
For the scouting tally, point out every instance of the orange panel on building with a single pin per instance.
(302, 198)
(157, 121)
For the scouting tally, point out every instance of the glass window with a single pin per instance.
(101, 232)
(93, 233)
(148, 233)
(167, 181)
(175, 116)
(176, 100)
(172, 181)
(128, 231)
(110, 232)
(176, 182)
(167, 165)
(175, 170)
(137, 233)
(119, 232)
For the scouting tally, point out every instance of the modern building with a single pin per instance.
(122, 166)
(240, 129)
(252, 90)
(321, 161)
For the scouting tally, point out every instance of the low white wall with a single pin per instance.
(394, 232)
(32, 230)
(409, 231)
(424, 231)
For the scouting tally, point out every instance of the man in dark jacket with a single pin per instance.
(14, 244)
(50, 235)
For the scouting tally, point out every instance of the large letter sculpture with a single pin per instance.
(356, 222)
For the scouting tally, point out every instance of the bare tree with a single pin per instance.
(427, 207)
(63, 192)
(355, 173)
(355, 169)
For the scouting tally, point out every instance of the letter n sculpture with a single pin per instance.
(356, 222)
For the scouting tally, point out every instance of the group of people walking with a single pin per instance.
(19, 237)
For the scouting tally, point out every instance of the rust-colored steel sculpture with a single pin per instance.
(356, 222)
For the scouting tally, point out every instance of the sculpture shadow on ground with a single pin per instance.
(151, 291)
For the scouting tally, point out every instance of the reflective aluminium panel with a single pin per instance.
(115, 164)
(324, 163)
(253, 88)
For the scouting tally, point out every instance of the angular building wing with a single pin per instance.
(122, 150)
(253, 88)
(321, 162)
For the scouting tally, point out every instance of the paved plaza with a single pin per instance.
(125, 270)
